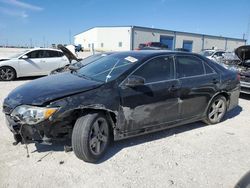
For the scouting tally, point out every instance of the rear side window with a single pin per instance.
(50, 53)
(157, 69)
(187, 66)
(208, 69)
(60, 54)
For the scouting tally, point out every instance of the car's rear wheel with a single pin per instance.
(216, 110)
(91, 137)
(7, 73)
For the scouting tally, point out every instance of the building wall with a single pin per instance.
(112, 38)
(200, 42)
(87, 38)
(197, 41)
(145, 35)
(105, 39)
(213, 42)
(233, 44)
(121, 39)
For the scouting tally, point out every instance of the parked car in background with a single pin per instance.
(33, 62)
(215, 55)
(119, 96)
(153, 46)
(243, 67)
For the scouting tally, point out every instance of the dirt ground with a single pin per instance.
(192, 155)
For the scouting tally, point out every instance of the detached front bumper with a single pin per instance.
(245, 87)
(29, 133)
(44, 131)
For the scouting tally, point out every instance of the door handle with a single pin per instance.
(174, 88)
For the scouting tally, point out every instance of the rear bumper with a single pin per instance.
(245, 87)
(234, 99)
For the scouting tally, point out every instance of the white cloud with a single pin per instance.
(14, 13)
(22, 5)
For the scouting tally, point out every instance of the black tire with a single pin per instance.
(7, 73)
(91, 137)
(216, 110)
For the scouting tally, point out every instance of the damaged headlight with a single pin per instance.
(31, 114)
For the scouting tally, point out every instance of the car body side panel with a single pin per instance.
(195, 94)
(149, 105)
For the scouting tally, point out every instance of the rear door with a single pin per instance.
(198, 84)
(155, 102)
(51, 60)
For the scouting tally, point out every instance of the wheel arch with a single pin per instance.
(111, 115)
(224, 94)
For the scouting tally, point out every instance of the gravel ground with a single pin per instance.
(193, 155)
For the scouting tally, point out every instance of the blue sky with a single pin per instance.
(52, 21)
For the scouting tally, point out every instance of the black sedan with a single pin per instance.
(120, 96)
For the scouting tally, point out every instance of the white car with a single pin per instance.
(213, 54)
(34, 62)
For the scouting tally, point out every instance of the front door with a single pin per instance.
(33, 64)
(155, 102)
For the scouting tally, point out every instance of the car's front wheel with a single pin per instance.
(91, 137)
(216, 110)
(7, 73)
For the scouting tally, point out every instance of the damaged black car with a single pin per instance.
(243, 67)
(119, 96)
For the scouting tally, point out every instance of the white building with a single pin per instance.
(124, 38)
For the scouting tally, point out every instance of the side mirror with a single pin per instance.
(133, 81)
(24, 57)
(215, 56)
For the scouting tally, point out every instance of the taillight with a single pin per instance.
(238, 77)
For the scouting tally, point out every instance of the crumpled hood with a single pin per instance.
(243, 52)
(68, 53)
(41, 91)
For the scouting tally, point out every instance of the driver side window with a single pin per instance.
(35, 54)
(157, 69)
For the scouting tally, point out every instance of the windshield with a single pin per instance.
(19, 54)
(207, 53)
(108, 68)
(89, 59)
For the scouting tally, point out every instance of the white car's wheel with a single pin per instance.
(7, 73)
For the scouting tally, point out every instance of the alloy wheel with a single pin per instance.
(217, 110)
(98, 137)
(6, 73)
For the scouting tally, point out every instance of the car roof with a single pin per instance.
(45, 49)
(148, 53)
